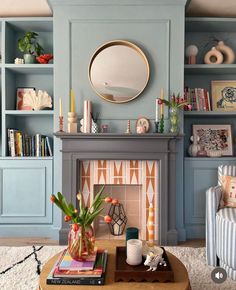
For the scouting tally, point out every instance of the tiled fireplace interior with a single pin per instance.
(133, 182)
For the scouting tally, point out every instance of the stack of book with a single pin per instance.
(20, 144)
(67, 271)
(198, 98)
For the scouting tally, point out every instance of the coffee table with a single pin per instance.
(180, 274)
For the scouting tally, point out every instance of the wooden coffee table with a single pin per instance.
(180, 274)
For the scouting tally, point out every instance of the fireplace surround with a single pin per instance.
(157, 147)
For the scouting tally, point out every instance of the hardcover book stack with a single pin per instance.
(198, 98)
(67, 271)
(20, 144)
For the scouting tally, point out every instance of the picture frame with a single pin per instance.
(214, 137)
(20, 95)
(223, 95)
(142, 125)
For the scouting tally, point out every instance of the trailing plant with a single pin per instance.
(28, 44)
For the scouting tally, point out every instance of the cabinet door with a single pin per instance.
(25, 191)
(200, 174)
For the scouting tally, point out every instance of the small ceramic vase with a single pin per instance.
(29, 58)
(213, 57)
(194, 148)
(228, 53)
(94, 128)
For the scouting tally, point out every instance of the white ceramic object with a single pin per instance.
(213, 56)
(154, 249)
(134, 252)
(214, 153)
(94, 128)
(228, 53)
(194, 147)
(191, 52)
(153, 260)
(37, 100)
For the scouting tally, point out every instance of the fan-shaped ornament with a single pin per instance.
(37, 100)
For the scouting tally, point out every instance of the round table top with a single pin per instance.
(180, 273)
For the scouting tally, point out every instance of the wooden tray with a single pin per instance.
(127, 273)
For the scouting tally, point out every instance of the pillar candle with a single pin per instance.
(162, 98)
(87, 122)
(72, 101)
(60, 107)
(134, 252)
(151, 224)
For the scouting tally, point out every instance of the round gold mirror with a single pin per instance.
(119, 71)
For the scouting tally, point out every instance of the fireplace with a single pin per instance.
(146, 161)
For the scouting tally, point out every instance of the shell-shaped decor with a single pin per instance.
(37, 100)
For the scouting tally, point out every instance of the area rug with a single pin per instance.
(20, 267)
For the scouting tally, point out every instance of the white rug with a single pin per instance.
(18, 267)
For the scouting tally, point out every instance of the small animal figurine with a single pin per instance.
(153, 260)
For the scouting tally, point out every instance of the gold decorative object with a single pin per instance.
(72, 122)
(128, 130)
(61, 124)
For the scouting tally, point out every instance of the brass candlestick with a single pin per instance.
(61, 124)
(128, 130)
(72, 122)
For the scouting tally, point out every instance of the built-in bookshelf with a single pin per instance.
(38, 76)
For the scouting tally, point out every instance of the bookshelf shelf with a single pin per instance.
(30, 68)
(195, 114)
(29, 113)
(216, 69)
(26, 158)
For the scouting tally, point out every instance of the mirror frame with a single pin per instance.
(125, 43)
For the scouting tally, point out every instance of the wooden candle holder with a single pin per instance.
(72, 122)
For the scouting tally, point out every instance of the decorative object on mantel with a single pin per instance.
(202, 152)
(191, 52)
(81, 240)
(104, 128)
(194, 147)
(19, 61)
(87, 120)
(119, 219)
(227, 52)
(134, 252)
(128, 130)
(72, 116)
(142, 125)
(94, 126)
(223, 95)
(61, 122)
(213, 56)
(217, 137)
(37, 100)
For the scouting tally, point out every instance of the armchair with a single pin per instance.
(221, 227)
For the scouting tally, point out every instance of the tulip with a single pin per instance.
(67, 218)
(160, 102)
(78, 196)
(189, 107)
(181, 100)
(107, 219)
(115, 201)
(75, 210)
(53, 198)
(108, 199)
(75, 227)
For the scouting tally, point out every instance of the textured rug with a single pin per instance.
(20, 267)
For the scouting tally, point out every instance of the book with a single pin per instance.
(48, 146)
(67, 263)
(51, 279)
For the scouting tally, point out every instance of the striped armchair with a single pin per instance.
(221, 227)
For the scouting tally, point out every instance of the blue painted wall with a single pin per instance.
(81, 26)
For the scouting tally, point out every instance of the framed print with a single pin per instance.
(143, 123)
(19, 98)
(223, 95)
(214, 137)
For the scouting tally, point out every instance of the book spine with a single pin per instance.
(49, 146)
(76, 281)
(37, 142)
(12, 143)
(209, 102)
(42, 146)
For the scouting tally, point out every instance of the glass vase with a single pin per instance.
(174, 120)
(81, 241)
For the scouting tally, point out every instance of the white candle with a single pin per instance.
(157, 110)
(60, 107)
(162, 98)
(134, 252)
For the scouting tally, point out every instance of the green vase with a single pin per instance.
(29, 58)
(174, 120)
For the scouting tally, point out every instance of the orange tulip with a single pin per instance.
(67, 218)
(53, 198)
(107, 219)
(108, 199)
(75, 227)
(115, 201)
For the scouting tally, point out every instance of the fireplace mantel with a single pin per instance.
(161, 147)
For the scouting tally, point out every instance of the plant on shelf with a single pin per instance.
(175, 104)
(30, 47)
(81, 240)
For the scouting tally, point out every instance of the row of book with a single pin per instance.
(67, 271)
(198, 98)
(20, 144)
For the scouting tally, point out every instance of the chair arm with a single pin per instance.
(213, 197)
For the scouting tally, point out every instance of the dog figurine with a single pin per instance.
(153, 260)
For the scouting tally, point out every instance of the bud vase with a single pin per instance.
(81, 241)
(174, 120)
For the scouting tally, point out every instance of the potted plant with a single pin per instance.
(81, 240)
(30, 47)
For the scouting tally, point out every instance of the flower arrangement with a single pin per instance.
(175, 102)
(81, 238)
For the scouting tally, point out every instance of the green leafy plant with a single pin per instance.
(28, 44)
(175, 102)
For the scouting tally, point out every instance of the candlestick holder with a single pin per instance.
(61, 124)
(156, 127)
(162, 124)
(128, 130)
(72, 122)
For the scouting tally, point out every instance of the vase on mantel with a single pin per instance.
(174, 120)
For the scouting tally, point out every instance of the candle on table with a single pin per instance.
(60, 107)
(151, 224)
(157, 110)
(134, 252)
(162, 98)
(72, 101)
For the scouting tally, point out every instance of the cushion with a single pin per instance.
(225, 170)
(229, 191)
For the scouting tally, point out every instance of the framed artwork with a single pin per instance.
(215, 137)
(20, 96)
(142, 125)
(223, 95)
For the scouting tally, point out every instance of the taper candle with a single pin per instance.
(72, 101)
(157, 110)
(151, 224)
(60, 107)
(162, 98)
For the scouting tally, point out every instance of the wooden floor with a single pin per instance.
(16, 242)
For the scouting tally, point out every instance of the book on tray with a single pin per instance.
(67, 271)
(20, 144)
